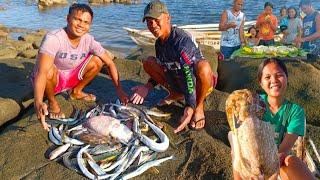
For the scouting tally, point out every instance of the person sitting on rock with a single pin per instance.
(287, 118)
(69, 58)
(178, 66)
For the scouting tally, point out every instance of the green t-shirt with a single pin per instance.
(296, 120)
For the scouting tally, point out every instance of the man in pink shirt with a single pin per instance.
(68, 59)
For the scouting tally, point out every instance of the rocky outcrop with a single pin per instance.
(114, 1)
(26, 46)
(2, 8)
(9, 109)
(47, 3)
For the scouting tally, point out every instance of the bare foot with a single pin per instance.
(198, 121)
(185, 119)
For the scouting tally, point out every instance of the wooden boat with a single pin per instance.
(206, 34)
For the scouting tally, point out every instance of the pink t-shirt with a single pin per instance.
(66, 57)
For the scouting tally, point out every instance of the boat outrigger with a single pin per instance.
(206, 34)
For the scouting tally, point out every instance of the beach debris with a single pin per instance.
(254, 148)
(109, 142)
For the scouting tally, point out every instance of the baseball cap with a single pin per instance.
(154, 9)
(305, 2)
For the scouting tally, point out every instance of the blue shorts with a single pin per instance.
(227, 51)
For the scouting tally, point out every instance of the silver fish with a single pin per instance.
(145, 167)
(104, 148)
(156, 114)
(54, 136)
(58, 151)
(164, 140)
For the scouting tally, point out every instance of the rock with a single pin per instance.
(99, 1)
(7, 52)
(3, 35)
(2, 8)
(4, 32)
(31, 37)
(47, 3)
(114, 1)
(19, 45)
(29, 53)
(15, 81)
(9, 109)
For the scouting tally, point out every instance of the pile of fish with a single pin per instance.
(109, 142)
(252, 141)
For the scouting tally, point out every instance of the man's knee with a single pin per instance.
(204, 69)
(95, 63)
(149, 63)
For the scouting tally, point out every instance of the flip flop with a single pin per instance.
(87, 97)
(195, 123)
(56, 115)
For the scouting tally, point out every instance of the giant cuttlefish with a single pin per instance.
(254, 148)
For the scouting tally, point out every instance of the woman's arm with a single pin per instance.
(287, 142)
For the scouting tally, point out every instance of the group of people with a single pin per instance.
(69, 58)
(299, 31)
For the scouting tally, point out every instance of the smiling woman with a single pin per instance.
(287, 118)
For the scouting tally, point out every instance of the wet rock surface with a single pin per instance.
(203, 154)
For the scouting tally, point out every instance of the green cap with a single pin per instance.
(154, 9)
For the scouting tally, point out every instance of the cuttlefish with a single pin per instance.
(254, 148)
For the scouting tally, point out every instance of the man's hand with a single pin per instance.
(298, 40)
(140, 93)
(231, 25)
(42, 112)
(185, 119)
(124, 98)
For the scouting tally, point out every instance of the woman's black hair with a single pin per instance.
(282, 8)
(268, 4)
(295, 9)
(80, 7)
(268, 61)
(253, 27)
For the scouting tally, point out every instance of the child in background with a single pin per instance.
(251, 38)
(294, 27)
(267, 23)
(283, 19)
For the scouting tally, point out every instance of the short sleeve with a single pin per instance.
(50, 45)
(96, 47)
(297, 121)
